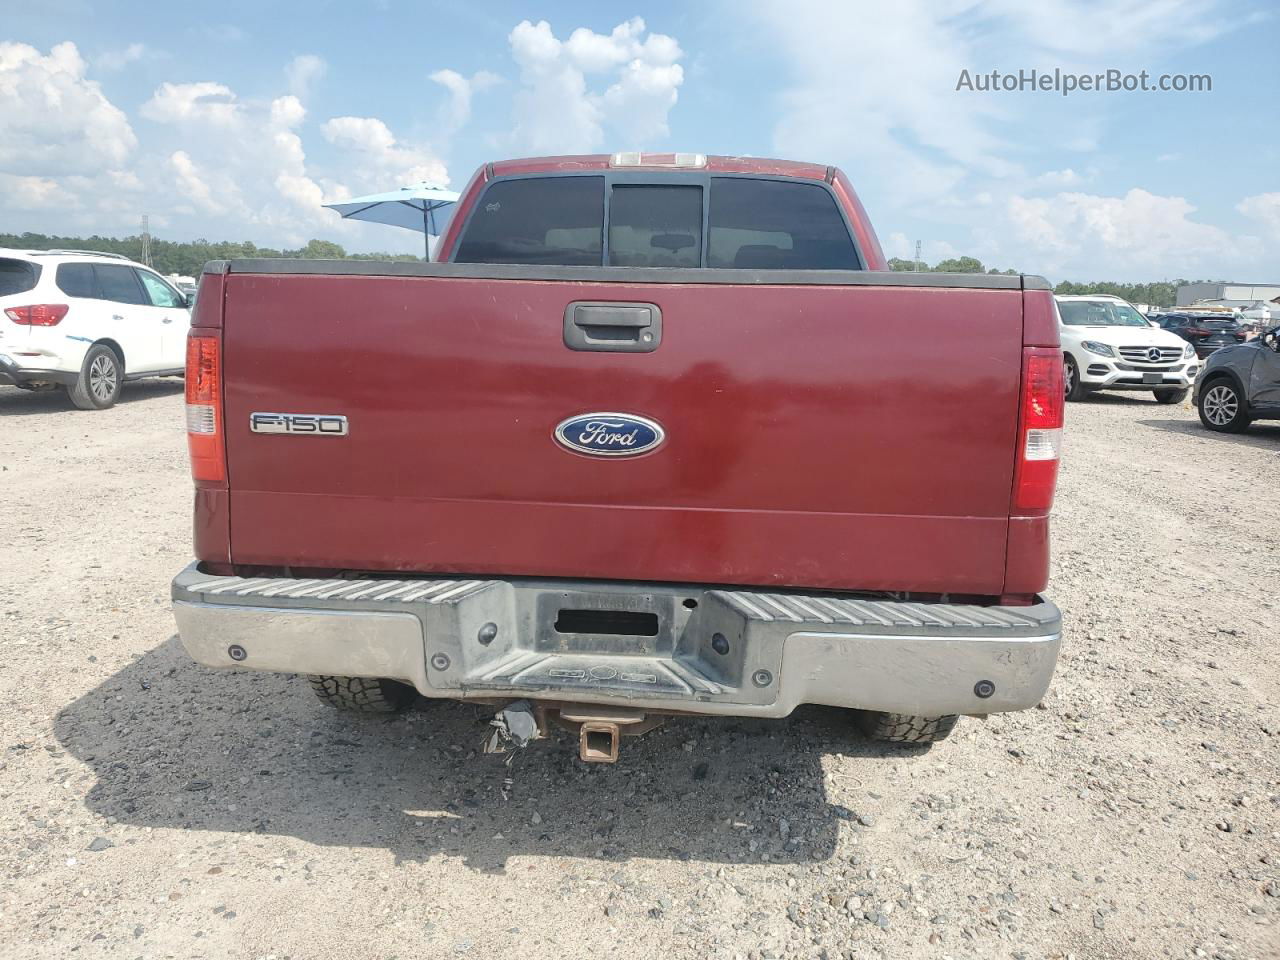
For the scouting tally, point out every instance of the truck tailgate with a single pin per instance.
(824, 435)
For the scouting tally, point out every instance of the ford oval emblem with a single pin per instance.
(610, 434)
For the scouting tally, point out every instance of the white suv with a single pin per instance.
(87, 322)
(1108, 345)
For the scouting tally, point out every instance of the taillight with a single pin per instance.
(38, 315)
(204, 409)
(1039, 431)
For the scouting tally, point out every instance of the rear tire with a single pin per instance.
(1170, 396)
(1074, 389)
(364, 694)
(905, 728)
(100, 380)
(1221, 407)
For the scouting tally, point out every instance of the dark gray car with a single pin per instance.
(1240, 384)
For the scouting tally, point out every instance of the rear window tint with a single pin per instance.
(76, 280)
(776, 225)
(17, 276)
(119, 284)
(655, 226)
(544, 220)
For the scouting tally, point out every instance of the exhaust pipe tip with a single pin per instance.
(598, 742)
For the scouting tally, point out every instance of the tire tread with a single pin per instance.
(363, 694)
(906, 728)
(1242, 418)
(1078, 390)
(80, 393)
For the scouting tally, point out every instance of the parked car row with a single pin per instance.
(1205, 333)
(87, 322)
(1240, 384)
(1108, 345)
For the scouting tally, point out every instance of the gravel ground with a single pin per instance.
(151, 808)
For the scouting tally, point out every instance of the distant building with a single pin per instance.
(1227, 294)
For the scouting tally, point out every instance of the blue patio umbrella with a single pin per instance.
(416, 207)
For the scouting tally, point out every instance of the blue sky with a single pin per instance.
(236, 121)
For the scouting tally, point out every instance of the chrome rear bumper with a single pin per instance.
(711, 650)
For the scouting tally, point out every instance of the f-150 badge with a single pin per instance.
(299, 424)
(610, 434)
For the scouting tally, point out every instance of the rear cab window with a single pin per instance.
(776, 225)
(543, 220)
(655, 226)
(734, 222)
(17, 276)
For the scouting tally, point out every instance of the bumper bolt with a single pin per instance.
(439, 661)
(719, 643)
(237, 652)
(983, 689)
(762, 678)
(487, 634)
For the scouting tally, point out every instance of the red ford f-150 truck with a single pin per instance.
(658, 435)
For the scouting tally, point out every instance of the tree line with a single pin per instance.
(1163, 293)
(187, 258)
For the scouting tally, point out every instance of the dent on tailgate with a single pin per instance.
(838, 436)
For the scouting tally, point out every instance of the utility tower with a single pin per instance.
(146, 240)
(917, 263)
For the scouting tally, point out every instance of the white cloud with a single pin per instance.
(1090, 29)
(33, 193)
(876, 85)
(1265, 209)
(901, 246)
(112, 60)
(1060, 178)
(380, 152)
(303, 72)
(897, 245)
(214, 163)
(205, 102)
(54, 121)
(873, 89)
(241, 161)
(552, 112)
(287, 111)
(239, 165)
(1139, 232)
(555, 111)
(461, 91)
(639, 102)
(193, 183)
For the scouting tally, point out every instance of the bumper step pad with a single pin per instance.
(715, 650)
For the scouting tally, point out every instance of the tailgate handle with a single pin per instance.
(612, 326)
